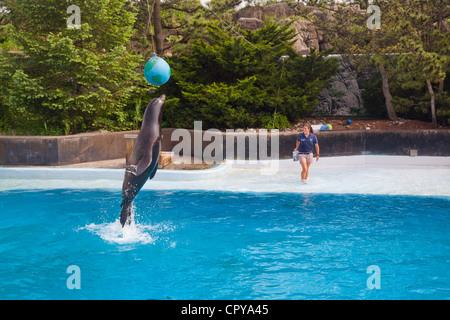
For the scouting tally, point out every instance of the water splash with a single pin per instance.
(129, 234)
(133, 233)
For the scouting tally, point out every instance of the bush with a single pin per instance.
(230, 82)
(277, 121)
(60, 80)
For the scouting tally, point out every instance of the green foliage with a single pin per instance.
(57, 80)
(228, 81)
(427, 46)
(412, 47)
(181, 20)
(276, 121)
(60, 80)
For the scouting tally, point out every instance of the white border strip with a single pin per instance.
(346, 161)
(390, 175)
(55, 173)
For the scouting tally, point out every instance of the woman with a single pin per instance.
(305, 142)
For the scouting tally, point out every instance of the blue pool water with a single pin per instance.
(218, 245)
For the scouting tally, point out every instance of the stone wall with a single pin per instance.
(36, 151)
(341, 143)
(53, 151)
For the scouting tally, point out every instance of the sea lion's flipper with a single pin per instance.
(145, 162)
(152, 174)
(156, 151)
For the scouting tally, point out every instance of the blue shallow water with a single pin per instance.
(218, 245)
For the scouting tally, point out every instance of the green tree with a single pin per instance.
(360, 46)
(67, 80)
(237, 81)
(425, 47)
(182, 20)
(166, 27)
(412, 46)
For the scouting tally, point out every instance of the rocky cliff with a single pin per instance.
(308, 37)
(343, 96)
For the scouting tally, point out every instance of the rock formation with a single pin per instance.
(252, 18)
(343, 96)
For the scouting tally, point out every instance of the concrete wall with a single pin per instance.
(105, 146)
(349, 142)
(24, 150)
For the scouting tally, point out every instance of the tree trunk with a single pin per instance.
(159, 38)
(387, 94)
(433, 103)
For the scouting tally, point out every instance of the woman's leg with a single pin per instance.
(307, 170)
(305, 167)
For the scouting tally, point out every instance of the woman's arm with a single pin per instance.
(317, 151)
(296, 145)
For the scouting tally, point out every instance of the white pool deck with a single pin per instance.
(366, 174)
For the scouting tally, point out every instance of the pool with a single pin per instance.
(198, 244)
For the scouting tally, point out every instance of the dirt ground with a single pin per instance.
(360, 124)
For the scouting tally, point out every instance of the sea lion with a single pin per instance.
(143, 162)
